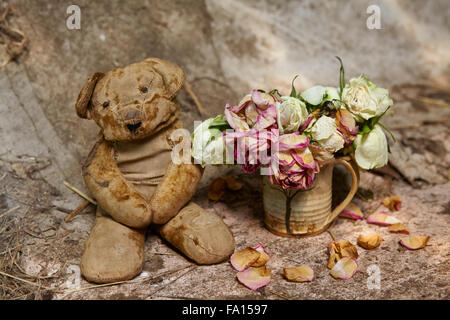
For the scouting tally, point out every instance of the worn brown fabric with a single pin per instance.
(131, 174)
(113, 192)
(175, 190)
(148, 166)
(141, 95)
(199, 234)
(84, 98)
(113, 252)
(144, 162)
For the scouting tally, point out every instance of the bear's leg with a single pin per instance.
(199, 234)
(113, 252)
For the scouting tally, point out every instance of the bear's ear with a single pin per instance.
(172, 74)
(84, 97)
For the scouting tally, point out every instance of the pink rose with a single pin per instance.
(293, 165)
(346, 125)
(255, 111)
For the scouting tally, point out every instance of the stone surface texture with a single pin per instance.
(226, 48)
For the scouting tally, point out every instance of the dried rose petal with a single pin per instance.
(393, 203)
(398, 228)
(340, 249)
(263, 257)
(352, 211)
(243, 259)
(299, 274)
(293, 141)
(320, 154)
(233, 183)
(382, 218)
(346, 125)
(254, 278)
(217, 189)
(344, 269)
(369, 241)
(414, 242)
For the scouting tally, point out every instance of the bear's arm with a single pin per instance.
(175, 190)
(112, 191)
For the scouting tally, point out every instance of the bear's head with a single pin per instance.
(133, 102)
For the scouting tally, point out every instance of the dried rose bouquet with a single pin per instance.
(290, 137)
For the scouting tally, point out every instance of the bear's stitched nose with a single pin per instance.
(132, 114)
(133, 126)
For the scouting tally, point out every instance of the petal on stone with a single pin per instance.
(263, 257)
(393, 203)
(299, 274)
(339, 249)
(382, 219)
(352, 211)
(243, 259)
(415, 242)
(370, 241)
(344, 269)
(254, 278)
(398, 228)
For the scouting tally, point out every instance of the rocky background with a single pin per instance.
(226, 48)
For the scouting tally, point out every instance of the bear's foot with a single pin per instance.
(113, 252)
(199, 234)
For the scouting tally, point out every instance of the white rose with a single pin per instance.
(364, 99)
(208, 144)
(331, 94)
(291, 113)
(318, 94)
(372, 149)
(325, 132)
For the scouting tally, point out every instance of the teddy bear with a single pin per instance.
(130, 173)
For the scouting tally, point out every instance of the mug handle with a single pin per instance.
(351, 193)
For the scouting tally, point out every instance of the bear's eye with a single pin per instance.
(144, 89)
(106, 104)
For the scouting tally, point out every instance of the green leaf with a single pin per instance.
(212, 138)
(364, 132)
(375, 120)
(219, 123)
(341, 77)
(366, 129)
(293, 92)
(275, 91)
(389, 131)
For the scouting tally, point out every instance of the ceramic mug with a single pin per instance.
(305, 212)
